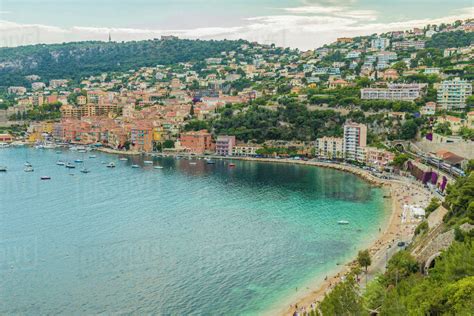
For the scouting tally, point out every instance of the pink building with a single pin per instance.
(225, 145)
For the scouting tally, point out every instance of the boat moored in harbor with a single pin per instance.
(29, 169)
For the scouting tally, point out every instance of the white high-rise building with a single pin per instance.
(355, 141)
(452, 94)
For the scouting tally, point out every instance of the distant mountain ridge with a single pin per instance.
(79, 59)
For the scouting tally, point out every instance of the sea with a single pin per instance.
(189, 238)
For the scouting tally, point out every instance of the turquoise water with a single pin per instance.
(204, 239)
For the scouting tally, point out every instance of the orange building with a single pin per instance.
(197, 142)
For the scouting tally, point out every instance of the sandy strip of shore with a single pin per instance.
(398, 228)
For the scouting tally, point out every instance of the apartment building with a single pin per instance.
(197, 142)
(329, 147)
(225, 145)
(245, 150)
(355, 141)
(452, 94)
(410, 44)
(401, 92)
(380, 43)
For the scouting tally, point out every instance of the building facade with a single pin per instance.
(330, 147)
(198, 142)
(225, 145)
(452, 94)
(355, 141)
(400, 92)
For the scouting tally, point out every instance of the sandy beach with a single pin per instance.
(400, 227)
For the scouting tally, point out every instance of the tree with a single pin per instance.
(400, 66)
(344, 299)
(363, 258)
(168, 144)
(400, 160)
(443, 129)
(409, 130)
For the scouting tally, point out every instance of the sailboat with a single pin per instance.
(84, 169)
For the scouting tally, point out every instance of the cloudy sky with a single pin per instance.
(304, 24)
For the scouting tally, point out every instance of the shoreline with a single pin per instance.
(392, 229)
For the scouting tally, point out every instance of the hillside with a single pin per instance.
(79, 59)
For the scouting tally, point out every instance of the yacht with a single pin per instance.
(343, 222)
(148, 162)
(85, 170)
(123, 159)
(3, 169)
(92, 156)
(135, 166)
(210, 162)
(70, 165)
(29, 169)
(45, 178)
(4, 145)
(78, 161)
(158, 167)
(111, 165)
(60, 163)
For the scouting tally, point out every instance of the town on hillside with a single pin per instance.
(371, 100)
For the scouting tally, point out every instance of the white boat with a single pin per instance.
(158, 167)
(92, 156)
(60, 163)
(111, 165)
(18, 143)
(70, 165)
(78, 161)
(4, 145)
(123, 159)
(3, 169)
(135, 166)
(148, 162)
(27, 164)
(85, 170)
(343, 222)
(49, 146)
(29, 169)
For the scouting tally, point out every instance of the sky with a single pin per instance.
(303, 24)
